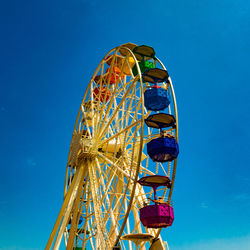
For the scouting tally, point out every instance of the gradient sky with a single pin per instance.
(49, 51)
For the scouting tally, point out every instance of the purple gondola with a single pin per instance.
(160, 214)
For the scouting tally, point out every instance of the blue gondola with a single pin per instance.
(156, 98)
(163, 149)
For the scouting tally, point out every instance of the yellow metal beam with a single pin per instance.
(69, 197)
(76, 215)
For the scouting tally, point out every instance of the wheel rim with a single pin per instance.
(107, 158)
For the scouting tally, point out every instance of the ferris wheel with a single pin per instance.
(122, 159)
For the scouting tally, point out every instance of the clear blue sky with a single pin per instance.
(50, 49)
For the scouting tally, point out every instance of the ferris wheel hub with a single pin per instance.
(88, 155)
(87, 150)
